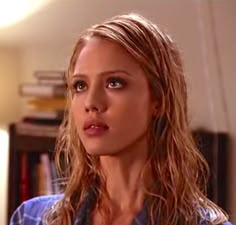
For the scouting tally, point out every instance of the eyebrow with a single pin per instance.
(105, 73)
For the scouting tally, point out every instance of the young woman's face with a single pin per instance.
(111, 104)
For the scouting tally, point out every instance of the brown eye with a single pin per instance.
(79, 86)
(115, 83)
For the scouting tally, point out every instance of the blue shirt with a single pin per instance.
(32, 211)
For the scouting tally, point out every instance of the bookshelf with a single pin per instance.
(32, 139)
(33, 146)
(214, 146)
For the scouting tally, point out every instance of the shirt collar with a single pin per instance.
(83, 214)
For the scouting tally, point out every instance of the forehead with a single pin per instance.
(101, 54)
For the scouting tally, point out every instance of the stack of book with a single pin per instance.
(46, 101)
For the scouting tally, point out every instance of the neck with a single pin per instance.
(124, 182)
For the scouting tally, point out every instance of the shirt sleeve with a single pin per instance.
(17, 216)
(32, 211)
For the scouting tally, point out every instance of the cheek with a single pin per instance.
(73, 109)
(76, 111)
(135, 113)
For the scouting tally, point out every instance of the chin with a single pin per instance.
(98, 152)
(95, 151)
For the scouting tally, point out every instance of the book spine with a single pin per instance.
(44, 175)
(48, 115)
(43, 91)
(49, 74)
(46, 169)
(33, 174)
(24, 178)
(42, 121)
(31, 129)
(52, 81)
(55, 180)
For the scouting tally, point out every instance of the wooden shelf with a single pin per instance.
(29, 143)
(18, 144)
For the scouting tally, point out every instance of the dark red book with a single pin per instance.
(24, 178)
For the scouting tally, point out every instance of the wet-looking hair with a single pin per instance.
(177, 194)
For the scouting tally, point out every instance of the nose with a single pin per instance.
(95, 100)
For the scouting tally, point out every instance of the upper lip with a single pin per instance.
(94, 122)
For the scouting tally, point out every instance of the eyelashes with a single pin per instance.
(115, 82)
(78, 85)
(111, 83)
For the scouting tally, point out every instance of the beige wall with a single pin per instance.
(10, 75)
(44, 57)
(225, 20)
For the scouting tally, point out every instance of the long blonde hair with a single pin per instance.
(177, 195)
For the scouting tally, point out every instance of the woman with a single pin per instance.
(127, 150)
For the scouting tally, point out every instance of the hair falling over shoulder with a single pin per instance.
(177, 195)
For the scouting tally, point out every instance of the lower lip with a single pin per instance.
(98, 131)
